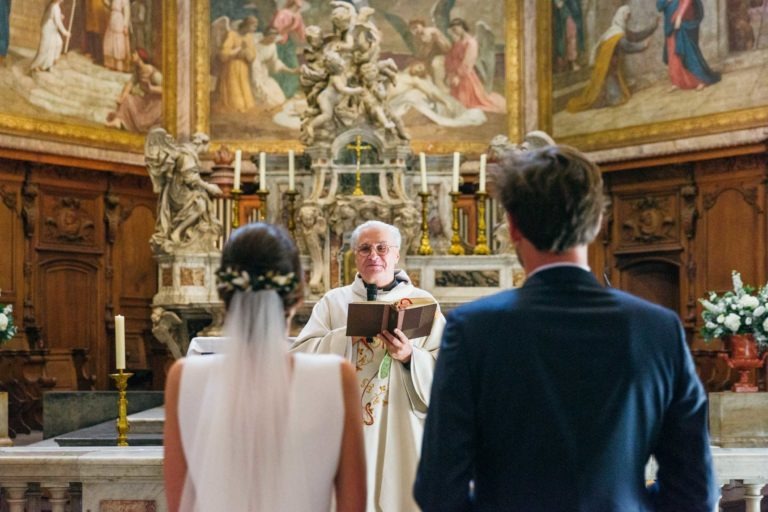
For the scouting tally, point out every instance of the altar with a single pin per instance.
(357, 165)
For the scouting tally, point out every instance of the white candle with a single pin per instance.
(482, 172)
(120, 342)
(423, 167)
(262, 171)
(291, 172)
(238, 163)
(455, 183)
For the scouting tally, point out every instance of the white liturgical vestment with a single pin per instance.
(393, 401)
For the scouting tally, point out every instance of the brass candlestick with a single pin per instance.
(262, 204)
(292, 212)
(424, 249)
(236, 192)
(482, 240)
(456, 248)
(121, 382)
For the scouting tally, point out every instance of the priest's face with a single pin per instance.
(376, 256)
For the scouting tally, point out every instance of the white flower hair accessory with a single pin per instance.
(231, 279)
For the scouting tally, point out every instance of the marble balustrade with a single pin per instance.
(116, 479)
(106, 479)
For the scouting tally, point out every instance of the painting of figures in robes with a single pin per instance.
(452, 88)
(622, 73)
(87, 70)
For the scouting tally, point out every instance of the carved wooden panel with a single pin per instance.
(69, 295)
(731, 235)
(648, 220)
(654, 279)
(12, 254)
(71, 221)
(133, 256)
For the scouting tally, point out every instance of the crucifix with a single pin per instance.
(359, 147)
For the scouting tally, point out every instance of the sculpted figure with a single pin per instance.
(313, 227)
(408, 221)
(374, 100)
(336, 91)
(313, 76)
(184, 209)
(342, 19)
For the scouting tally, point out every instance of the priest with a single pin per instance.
(394, 372)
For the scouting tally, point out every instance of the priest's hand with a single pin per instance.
(398, 346)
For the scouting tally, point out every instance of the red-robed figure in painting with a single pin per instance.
(687, 67)
(460, 72)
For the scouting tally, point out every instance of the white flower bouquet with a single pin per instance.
(741, 311)
(8, 328)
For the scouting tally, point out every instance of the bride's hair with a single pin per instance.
(241, 440)
(263, 251)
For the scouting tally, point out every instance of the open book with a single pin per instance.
(412, 316)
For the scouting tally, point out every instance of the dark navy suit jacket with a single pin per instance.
(553, 396)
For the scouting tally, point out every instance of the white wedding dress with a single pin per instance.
(310, 455)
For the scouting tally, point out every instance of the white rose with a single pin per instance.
(3, 322)
(759, 311)
(8, 309)
(732, 322)
(748, 301)
(711, 325)
(720, 319)
(765, 325)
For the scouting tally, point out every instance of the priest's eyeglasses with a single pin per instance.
(381, 249)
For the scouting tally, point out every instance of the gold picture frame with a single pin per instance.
(91, 133)
(656, 109)
(458, 139)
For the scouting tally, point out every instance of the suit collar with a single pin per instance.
(562, 275)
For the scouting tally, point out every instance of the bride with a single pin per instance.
(254, 428)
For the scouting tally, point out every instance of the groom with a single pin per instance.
(553, 396)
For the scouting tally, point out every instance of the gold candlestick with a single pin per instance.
(236, 192)
(121, 382)
(482, 240)
(424, 249)
(456, 248)
(292, 212)
(262, 204)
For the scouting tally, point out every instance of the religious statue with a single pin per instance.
(313, 228)
(345, 82)
(408, 221)
(185, 220)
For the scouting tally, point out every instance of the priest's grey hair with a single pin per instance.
(397, 238)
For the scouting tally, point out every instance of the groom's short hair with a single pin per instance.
(554, 195)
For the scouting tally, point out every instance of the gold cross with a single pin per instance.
(359, 147)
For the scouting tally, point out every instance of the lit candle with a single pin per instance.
(482, 172)
(291, 172)
(455, 184)
(262, 171)
(120, 342)
(423, 167)
(238, 163)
